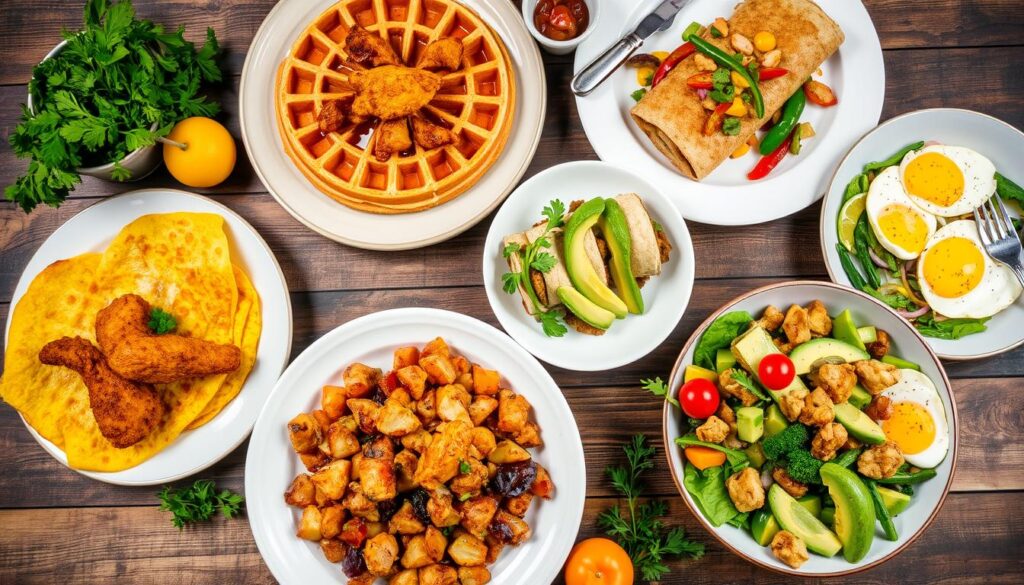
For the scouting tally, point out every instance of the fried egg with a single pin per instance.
(900, 225)
(918, 423)
(957, 277)
(947, 180)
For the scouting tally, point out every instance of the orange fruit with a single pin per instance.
(209, 155)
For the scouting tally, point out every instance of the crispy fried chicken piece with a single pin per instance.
(880, 461)
(391, 137)
(817, 317)
(797, 325)
(880, 346)
(581, 326)
(331, 117)
(830, 438)
(733, 388)
(771, 319)
(391, 91)
(443, 53)
(789, 548)
(664, 246)
(837, 380)
(714, 430)
(793, 487)
(876, 376)
(136, 353)
(369, 49)
(125, 411)
(745, 490)
(429, 135)
(818, 409)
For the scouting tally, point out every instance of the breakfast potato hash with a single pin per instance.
(419, 476)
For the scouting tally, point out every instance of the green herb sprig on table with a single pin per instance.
(534, 257)
(642, 533)
(198, 502)
(99, 98)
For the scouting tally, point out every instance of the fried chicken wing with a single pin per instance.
(331, 117)
(391, 137)
(392, 91)
(443, 53)
(125, 411)
(369, 49)
(135, 353)
(429, 135)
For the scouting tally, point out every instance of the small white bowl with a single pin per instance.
(559, 47)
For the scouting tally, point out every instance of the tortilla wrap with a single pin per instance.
(672, 116)
(645, 256)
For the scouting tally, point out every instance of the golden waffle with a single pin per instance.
(475, 102)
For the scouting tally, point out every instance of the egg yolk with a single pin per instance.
(911, 427)
(903, 227)
(935, 178)
(953, 267)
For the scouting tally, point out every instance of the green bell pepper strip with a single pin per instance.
(790, 116)
(726, 60)
(892, 160)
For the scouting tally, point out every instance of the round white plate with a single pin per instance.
(372, 231)
(993, 138)
(928, 496)
(271, 464)
(726, 197)
(665, 295)
(91, 231)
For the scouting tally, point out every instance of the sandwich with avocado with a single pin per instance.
(584, 267)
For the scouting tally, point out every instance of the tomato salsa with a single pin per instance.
(561, 20)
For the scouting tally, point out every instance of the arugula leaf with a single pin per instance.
(198, 503)
(544, 262)
(510, 282)
(928, 326)
(551, 323)
(160, 321)
(718, 335)
(744, 379)
(658, 388)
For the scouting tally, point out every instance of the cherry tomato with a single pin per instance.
(776, 371)
(699, 398)
(598, 561)
(561, 18)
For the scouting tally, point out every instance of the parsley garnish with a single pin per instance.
(638, 94)
(643, 534)
(743, 379)
(533, 257)
(464, 467)
(551, 323)
(731, 126)
(98, 99)
(160, 321)
(658, 388)
(198, 502)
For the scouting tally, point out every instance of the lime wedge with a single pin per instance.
(848, 217)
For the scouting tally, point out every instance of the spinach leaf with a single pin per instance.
(949, 328)
(737, 459)
(1009, 190)
(719, 335)
(894, 159)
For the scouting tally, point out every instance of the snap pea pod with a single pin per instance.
(790, 116)
(726, 60)
(902, 477)
(894, 159)
(848, 457)
(1008, 190)
(882, 513)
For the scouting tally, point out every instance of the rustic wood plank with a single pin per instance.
(991, 448)
(975, 539)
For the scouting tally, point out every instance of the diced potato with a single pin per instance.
(440, 462)
(513, 412)
(341, 442)
(418, 441)
(485, 381)
(471, 482)
(518, 505)
(484, 441)
(364, 579)
(331, 520)
(414, 378)
(406, 577)
(508, 452)
(395, 420)
(365, 412)
(334, 550)
(466, 380)
(529, 436)
(360, 380)
(309, 525)
(462, 365)
(405, 521)
(380, 553)
(438, 575)
(426, 408)
(512, 529)
(333, 478)
(333, 400)
(358, 504)
(440, 509)
(481, 408)
(304, 433)
(474, 575)
(477, 513)
(322, 418)
(452, 402)
(435, 542)
(439, 369)
(374, 528)
(405, 356)
(467, 550)
(415, 553)
(377, 470)
(405, 470)
(494, 548)
(355, 464)
(314, 460)
(542, 486)
(301, 492)
(436, 346)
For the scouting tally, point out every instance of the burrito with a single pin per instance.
(671, 113)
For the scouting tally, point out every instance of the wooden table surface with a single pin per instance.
(58, 526)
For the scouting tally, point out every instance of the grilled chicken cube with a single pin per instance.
(438, 575)
(405, 521)
(309, 525)
(509, 528)
(467, 550)
(426, 407)
(474, 575)
(358, 504)
(395, 420)
(436, 542)
(439, 368)
(436, 346)
(360, 380)
(513, 412)
(341, 442)
(331, 520)
(414, 378)
(334, 550)
(380, 554)
(333, 400)
(406, 577)
(485, 381)
(377, 470)
(405, 470)
(304, 433)
(415, 554)
(440, 462)
(440, 509)
(315, 460)
(529, 436)
(365, 412)
(481, 408)
(301, 492)
(477, 513)
(404, 357)
(418, 441)
(470, 482)
(332, 479)
(452, 403)
(484, 441)
(518, 505)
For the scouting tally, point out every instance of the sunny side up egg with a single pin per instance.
(957, 277)
(918, 423)
(900, 225)
(948, 180)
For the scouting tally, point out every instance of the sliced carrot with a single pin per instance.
(704, 457)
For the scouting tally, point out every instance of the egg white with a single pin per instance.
(979, 179)
(918, 388)
(887, 189)
(997, 290)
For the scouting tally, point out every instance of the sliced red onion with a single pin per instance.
(912, 265)
(932, 143)
(702, 93)
(877, 259)
(766, 478)
(913, 314)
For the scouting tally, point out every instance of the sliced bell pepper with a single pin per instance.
(714, 122)
(770, 161)
(682, 51)
(726, 60)
(820, 94)
(767, 73)
(700, 81)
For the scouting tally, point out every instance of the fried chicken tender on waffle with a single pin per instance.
(125, 411)
(429, 135)
(391, 137)
(392, 91)
(443, 53)
(133, 351)
(369, 49)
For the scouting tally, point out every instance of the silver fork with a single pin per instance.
(997, 234)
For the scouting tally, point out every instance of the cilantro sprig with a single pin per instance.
(198, 503)
(534, 257)
(642, 533)
(99, 98)
(658, 388)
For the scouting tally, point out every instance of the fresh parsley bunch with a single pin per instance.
(198, 502)
(98, 99)
(534, 257)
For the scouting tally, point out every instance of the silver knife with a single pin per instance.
(594, 74)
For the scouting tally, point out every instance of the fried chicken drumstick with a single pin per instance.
(136, 353)
(125, 411)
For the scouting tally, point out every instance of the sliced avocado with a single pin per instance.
(724, 360)
(855, 512)
(751, 347)
(895, 502)
(749, 423)
(860, 397)
(812, 503)
(756, 455)
(616, 234)
(806, 354)
(900, 363)
(581, 306)
(577, 264)
(774, 421)
(844, 329)
(693, 372)
(859, 424)
(867, 333)
(764, 526)
(828, 516)
(796, 519)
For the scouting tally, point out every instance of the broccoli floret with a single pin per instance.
(792, 437)
(803, 467)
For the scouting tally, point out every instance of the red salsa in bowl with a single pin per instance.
(561, 20)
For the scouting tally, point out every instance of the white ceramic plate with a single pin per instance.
(995, 139)
(271, 464)
(928, 496)
(726, 197)
(91, 231)
(665, 295)
(367, 230)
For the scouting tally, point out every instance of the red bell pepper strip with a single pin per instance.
(682, 51)
(700, 81)
(820, 94)
(771, 73)
(771, 160)
(714, 122)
